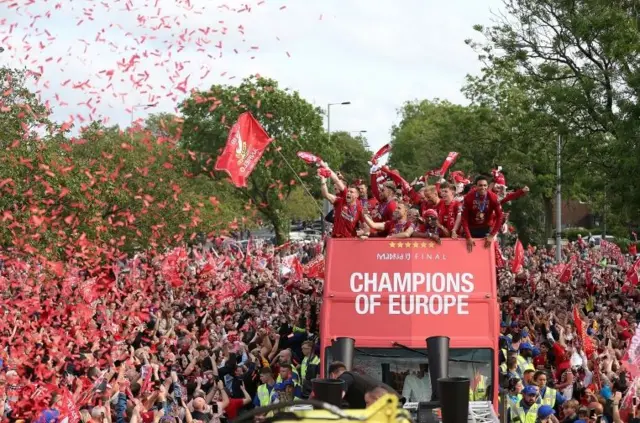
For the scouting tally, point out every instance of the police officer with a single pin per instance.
(355, 385)
(526, 410)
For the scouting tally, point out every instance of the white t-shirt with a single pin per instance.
(416, 389)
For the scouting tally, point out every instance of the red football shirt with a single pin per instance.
(447, 214)
(391, 227)
(478, 212)
(384, 211)
(346, 218)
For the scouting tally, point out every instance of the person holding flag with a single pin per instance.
(348, 212)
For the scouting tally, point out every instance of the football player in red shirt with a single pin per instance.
(480, 207)
(449, 210)
(432, 228)
(347, 210)
(398, 227)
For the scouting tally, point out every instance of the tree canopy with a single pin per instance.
(293, 123)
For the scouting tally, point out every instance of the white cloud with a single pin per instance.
(375, 53)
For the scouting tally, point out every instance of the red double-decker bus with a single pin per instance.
(389, 295)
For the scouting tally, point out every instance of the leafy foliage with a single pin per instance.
(578, 65)
(293, 123)
(104, 193)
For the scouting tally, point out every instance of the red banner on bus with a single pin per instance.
(380, 291)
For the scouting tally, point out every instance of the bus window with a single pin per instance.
(409, 370)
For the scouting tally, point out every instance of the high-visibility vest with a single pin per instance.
(519, 415)
(480, 393)
(503, 368)
(305, 365)
(523, 364)
(513, 400)
(293, 369)
(549, 397)
(264, 395)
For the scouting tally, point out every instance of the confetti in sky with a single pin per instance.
(127, 55)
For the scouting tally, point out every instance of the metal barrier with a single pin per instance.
(502, 408)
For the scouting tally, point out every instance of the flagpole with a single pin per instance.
(299, 180)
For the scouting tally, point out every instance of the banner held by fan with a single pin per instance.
(246, 143)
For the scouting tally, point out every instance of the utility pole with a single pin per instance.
(559, 201)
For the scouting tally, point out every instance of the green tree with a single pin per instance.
(352, 156)
(293, 123)
(105, 193)
(21, 113)
(165, 125)
(582, 60)
(429, 130)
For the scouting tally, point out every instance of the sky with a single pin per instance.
(107, 59)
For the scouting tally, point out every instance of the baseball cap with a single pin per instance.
(524, 333)
(545, 411)
(526, 346)
(530, 390)
(503, 324)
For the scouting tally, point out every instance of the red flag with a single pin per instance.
(451, 159)
(587, 342)
(315, 268)
(68, 408)
(309, 158)
(518, 258)
(567, 271)
(500, 262)
(383, 150)
(245, 145)
(632, 274)
(633, 249)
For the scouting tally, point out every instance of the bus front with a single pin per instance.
(389, 295)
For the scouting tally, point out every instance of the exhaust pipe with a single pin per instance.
(452, 393)
(386, 374)
(342, 350)
(438, 354)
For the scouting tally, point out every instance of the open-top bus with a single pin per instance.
(389, 295)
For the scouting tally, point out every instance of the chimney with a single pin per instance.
(342, 350)
(438, 353)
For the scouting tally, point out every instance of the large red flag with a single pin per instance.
(246, 142)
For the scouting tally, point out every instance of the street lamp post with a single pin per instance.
(325, 203)
(559, 200)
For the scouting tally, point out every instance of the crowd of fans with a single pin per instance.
(202, 334)
(186, 335)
